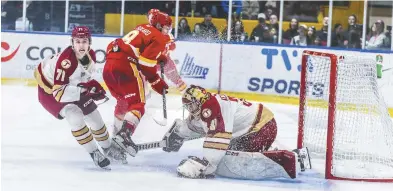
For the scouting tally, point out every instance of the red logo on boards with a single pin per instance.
(6, 46)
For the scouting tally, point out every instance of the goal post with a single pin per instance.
(343, 118)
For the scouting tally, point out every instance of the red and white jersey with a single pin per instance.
(61, 73)
(226, 117)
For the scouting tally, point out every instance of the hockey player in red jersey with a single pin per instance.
(66, 90)
(129, 58)
(238, 135)
(170, 70)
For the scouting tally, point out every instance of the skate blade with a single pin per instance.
(121, 145)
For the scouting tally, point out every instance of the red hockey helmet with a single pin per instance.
(164, 20)
(193, 98)
(81, 32)
(160, 18)
(150, 15)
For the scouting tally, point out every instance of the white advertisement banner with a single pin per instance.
(22, 52)
(198, 63)
(272, 70)
(276, 70)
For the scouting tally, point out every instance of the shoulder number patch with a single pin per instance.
(66, 63)
(206, 113)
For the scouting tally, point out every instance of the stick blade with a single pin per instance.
(160, 120)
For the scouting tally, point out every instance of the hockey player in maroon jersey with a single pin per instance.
(66, 90)
(129, 58)
(238, 135)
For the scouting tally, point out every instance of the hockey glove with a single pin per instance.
(158, 85)
(194, 167)
(93, 89)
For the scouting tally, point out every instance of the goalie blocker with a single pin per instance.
(238, 136)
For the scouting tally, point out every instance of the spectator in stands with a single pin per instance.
(353, 40)
(311, 34)
(323, 33)
(237, 33)
(379, 39)
(301, 39)
(338, 36)
(371, 33)
(317, 41)
(273, 28)
(273, 22)
(250, 9)
(352, 22)
(352, 27)
(261, 32)
(183, 28)
(291, 32)
(208, 29)
(197, 32)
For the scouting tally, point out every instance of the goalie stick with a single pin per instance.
(160, 144)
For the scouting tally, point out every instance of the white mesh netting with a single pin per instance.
(363, 129)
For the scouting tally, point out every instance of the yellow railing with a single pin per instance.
(112, 23)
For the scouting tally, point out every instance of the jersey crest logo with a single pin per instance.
(66, 64)
(206, 113)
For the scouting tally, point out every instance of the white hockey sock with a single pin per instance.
(98, 128)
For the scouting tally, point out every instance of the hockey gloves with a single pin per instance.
(194, 167)
(158, 85)
(93, 89)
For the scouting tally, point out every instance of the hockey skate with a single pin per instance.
(123, 139)
(100, 160)
(304, 158)
(115, 153)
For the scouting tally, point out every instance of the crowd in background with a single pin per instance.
(44, 16)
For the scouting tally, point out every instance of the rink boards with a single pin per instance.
(256, 72)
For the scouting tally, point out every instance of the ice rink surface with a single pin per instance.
(38, 152)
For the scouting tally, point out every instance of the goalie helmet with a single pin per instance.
(193, 98)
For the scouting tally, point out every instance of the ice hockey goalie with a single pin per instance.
(238, 137)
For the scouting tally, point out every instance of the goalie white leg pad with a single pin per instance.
(250, 166)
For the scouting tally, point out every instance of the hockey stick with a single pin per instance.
(105, 100)
(164, 121)
(160, 144)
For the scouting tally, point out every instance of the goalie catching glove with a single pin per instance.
(194, 167)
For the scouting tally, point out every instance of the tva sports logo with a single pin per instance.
(6, 46)
(190, 70)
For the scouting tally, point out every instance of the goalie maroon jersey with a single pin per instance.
(236, 124)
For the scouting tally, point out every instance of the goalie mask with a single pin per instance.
(193, 98)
